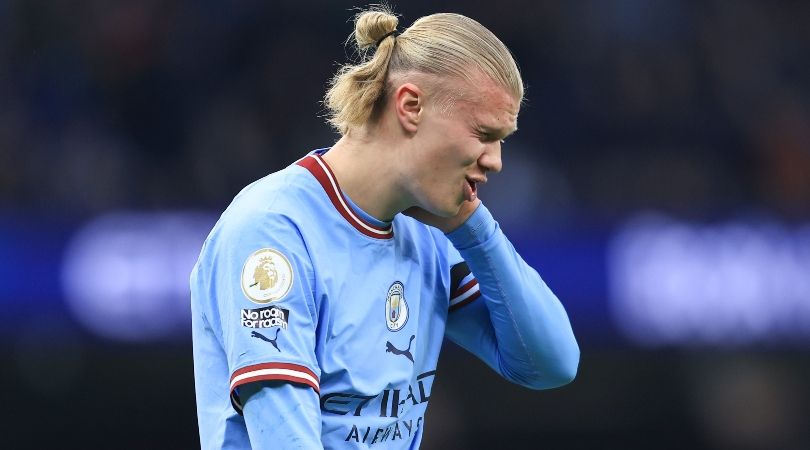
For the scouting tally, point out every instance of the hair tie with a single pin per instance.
(379, 41)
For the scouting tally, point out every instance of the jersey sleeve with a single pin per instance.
(520, 329)
(264, 303)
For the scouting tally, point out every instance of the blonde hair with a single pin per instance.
(439, 44)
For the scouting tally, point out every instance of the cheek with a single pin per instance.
(469, 150)
(472, 153)
(438, 183)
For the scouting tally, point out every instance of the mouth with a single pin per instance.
(471, 189)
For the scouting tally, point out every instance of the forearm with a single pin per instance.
(522, 330)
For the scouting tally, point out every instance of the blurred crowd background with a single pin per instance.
(660, 182)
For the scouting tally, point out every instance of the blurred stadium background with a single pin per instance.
(660, 183)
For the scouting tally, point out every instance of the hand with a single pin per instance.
(446, 224)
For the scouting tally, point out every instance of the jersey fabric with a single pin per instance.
(316, 325)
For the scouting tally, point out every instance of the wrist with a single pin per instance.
(476, 229)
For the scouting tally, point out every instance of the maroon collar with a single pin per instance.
(318, 167)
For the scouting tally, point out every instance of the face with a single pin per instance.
(455, 149)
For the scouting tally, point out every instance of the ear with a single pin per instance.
(409, 102)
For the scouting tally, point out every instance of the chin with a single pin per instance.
(447, 210)
(442, 207)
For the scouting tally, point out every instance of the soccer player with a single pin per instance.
(322, 295)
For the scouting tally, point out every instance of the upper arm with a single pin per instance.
(282, 415)
(262, 289)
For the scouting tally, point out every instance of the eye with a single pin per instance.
(487, 137)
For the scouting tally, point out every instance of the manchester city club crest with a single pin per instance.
(396, 308)
(266, 276)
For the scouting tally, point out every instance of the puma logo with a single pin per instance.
(389, 348)
(258, 335)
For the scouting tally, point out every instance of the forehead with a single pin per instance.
(490, 105)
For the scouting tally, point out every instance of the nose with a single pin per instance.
(490, 160)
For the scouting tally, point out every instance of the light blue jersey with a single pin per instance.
(315, 324)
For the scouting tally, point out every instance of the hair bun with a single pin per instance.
(371, 26)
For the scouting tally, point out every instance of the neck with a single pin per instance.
(368, 170)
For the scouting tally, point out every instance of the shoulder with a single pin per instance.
(267, 213)
(278, 201)
(277, 193)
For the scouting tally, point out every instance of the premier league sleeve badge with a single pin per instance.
(266, 276)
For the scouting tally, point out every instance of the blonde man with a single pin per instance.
(364, 294)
